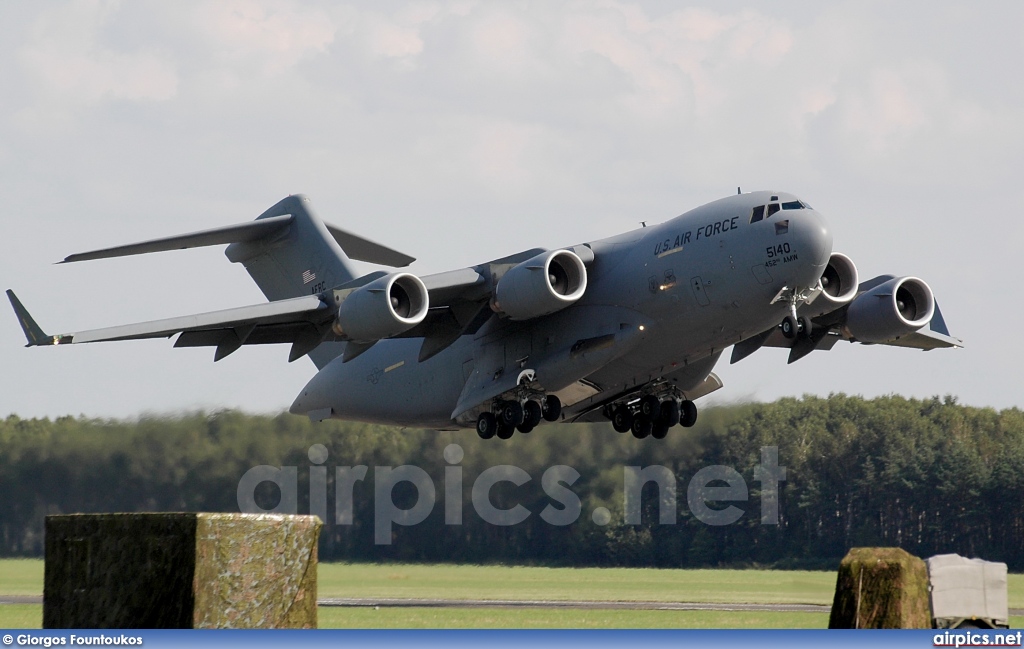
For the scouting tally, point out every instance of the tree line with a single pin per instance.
(931, 476)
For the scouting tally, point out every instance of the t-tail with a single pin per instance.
(288, 251)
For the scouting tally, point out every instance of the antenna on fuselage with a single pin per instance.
(738, 191)
(643, 224)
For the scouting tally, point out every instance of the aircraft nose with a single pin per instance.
(814, 236)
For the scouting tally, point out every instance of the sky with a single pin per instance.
(464, 131)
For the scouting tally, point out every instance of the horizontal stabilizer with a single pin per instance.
(371, 252)
(356, 247)
(250, 231)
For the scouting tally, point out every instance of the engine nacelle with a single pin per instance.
(544, 284)
(838, 286)
(892, 309)
(383, 308)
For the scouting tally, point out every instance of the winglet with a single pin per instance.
(32, 331)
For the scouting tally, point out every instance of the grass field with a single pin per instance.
(21, 576)
(546, 618)
(616, 584)
(25, 577)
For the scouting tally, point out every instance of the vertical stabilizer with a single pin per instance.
(302, 259)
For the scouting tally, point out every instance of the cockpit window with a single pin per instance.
(773, 208)
(757, 214)
(793, 205)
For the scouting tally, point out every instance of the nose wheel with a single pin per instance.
(793, 326)
(790, 327)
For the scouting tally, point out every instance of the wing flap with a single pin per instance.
(300, 321)
(926, 339)
(282, 311)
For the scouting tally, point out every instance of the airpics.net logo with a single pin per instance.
(706, 492)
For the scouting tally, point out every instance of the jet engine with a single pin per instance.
(838, 286)
(544, 284)
(383, 308)
(892, 309)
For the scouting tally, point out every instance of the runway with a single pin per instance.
(569, 604)
(383, 602)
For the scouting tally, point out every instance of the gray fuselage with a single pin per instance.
(668, 298)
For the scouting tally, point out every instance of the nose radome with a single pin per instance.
(816, 235)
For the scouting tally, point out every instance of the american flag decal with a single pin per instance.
(308, 276)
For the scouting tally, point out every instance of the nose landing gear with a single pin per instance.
(792, 325)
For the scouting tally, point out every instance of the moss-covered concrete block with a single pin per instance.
(162, 571)
(881, 588)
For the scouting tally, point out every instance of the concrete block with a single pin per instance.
(180, 570)
(881, 588)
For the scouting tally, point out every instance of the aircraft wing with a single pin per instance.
(302, 321)
(459, 300)
(828, 331)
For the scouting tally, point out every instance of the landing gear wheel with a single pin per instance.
(790, 327)
(650, 407)
(486, 425)
(688, 414)
(505, 432)
(659, 430)
(806, 327)
(670, 413)
(551, 408)
(510, 415)
(622, 419)
(524, 428)
(641, 427)
(532, 415)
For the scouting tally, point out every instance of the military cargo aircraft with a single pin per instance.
(626, 329)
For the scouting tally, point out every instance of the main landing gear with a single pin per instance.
(506, 417)
(652, 416)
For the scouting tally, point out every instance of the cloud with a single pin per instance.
(66, 57)
(274, 33)
(467, 130)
